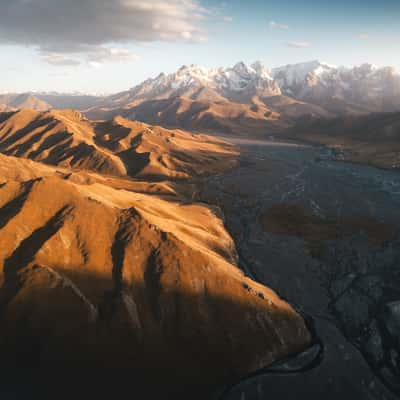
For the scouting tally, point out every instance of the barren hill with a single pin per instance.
(24, 100)
(118, 147)
(199, 115)
(96, 275)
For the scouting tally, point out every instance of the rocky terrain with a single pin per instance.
(100, 271)
(342, 90)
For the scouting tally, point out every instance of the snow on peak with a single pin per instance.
(261, 70)
(242, 69)
(236, 78)
(297, 80)
(296, 74)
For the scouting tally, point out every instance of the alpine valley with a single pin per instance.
(227, 233)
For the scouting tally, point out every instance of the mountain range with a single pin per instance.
(239, 99)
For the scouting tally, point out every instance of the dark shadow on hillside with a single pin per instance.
(13, 207)
(196, 344)
(21, 133)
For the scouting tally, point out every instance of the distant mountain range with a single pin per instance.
(237, 99)
(46, 101)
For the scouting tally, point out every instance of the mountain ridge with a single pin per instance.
(117, 147)
(239, 99)
(254, 99)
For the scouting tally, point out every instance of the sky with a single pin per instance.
(106, 46)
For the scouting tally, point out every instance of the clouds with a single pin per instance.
(59, 28)
(276, 25)
(298, 45)
(93, 57)
(103, 54)
(363, 36)
(59, 60)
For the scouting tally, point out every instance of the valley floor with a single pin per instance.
(303, 223)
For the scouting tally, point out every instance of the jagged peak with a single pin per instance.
(305, 66)
(240, 67)
(259, 67)
(242, 77)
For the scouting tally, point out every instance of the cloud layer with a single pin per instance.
(58, 27)
(94, 57)
(299, 45)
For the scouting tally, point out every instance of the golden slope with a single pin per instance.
(119, 147)
(154, 151)
(199, 114)
(61, 138)
(98, 276)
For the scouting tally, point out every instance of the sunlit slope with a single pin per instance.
(118, 147)
(108, 277)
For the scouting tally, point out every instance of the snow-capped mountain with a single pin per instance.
(254, 97)
(362, 88)
(287, 89)
(293, 78)
(357, 89)
(241, 98)
(239, 79)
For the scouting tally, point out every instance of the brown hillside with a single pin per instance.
(94, 275)
(199, 114)
(154, 151)
(119, 147)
